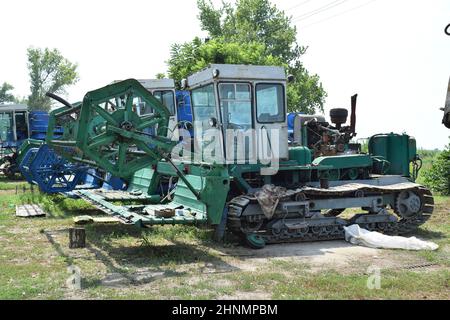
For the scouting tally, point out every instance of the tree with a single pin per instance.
(190, 57)
(438, 176)
(49, 71)
(251, 21)
(251, 32)
(5, 96)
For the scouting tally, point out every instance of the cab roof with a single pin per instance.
(13, 107)
(150, 84)
(236, 72)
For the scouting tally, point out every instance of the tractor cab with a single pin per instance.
(239, 113)
(13, 125)
(164, 91)
(14, 129)
(177, 102)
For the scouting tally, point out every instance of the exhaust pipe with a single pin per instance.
(353, 115)
(446, 109)
(59, 99)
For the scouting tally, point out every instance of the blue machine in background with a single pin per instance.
(37, 162)
(50, 171)
(38, 123)
(184, 106)
(184, 111)
(290, 122)
(16, 126)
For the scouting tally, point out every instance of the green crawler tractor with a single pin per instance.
(241, 172)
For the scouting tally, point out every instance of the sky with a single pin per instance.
(393, 53)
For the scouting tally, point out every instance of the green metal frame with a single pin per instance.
(66, 118)
(121, 144)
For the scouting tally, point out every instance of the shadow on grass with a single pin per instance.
(172, 250)
(67, 259)
(73, 213)
(149, 261)
(428, 234)
(121, 271)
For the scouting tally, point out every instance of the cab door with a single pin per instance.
(208, 140)
(271, 124)
(235, 101)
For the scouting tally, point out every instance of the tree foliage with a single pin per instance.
(49, 71)
(252, 21)
(438, 176)
(190, 57)
(250, 32)
(5, 95)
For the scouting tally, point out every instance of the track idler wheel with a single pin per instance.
(408, 204)
(415, 207)
(255, 241)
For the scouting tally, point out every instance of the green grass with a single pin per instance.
(34, 257)
(427, 156)
(331, 284)
(6, 184)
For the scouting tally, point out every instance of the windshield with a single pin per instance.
(270, 103)
(236, 105)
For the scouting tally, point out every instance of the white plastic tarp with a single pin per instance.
(359, 236)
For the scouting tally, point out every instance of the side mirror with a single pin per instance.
(213, 122)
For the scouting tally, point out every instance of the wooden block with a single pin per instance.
(106, 220)
(80, 220)
(77, 238)
(165, 213)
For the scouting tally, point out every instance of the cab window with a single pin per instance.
(167, 98)
(270, 103)
(204, 103)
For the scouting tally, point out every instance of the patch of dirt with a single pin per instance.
(222, 283)
(239, 295)
(20, 261)
(7, 192)
(120, 280)
(321, 256)
(71, 294)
